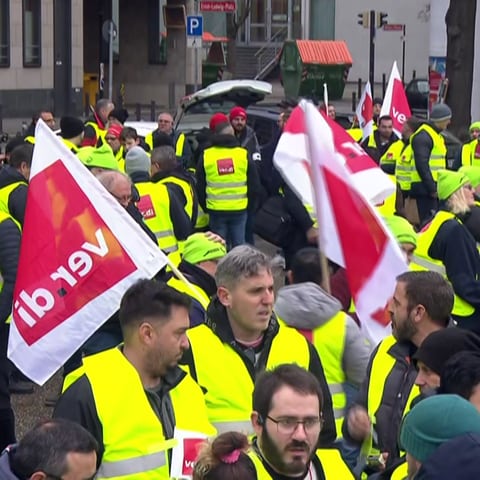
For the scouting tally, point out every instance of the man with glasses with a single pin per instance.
(287, 419)
(53, 450)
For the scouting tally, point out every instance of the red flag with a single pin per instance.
(395, 102)
(364, 111)
(80, 251)
(352, 233)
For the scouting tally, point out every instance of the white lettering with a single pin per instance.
(80, 262)
(399, 116)
(62, 272)
(102, 248)
(189, 463)
(40, 302)
(26, 317)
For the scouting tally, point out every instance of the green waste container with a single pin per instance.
(307, 64)
(214, 66)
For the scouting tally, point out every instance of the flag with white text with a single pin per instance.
(364, 112)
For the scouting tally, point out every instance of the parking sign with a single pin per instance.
(194, 26)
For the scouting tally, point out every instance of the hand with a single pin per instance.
(214, 237)
(312, 235)
(358, 423)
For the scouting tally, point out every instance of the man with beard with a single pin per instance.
(132, 398)
(421, 304)
(287, 419)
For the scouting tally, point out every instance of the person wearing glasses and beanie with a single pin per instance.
(446, 246)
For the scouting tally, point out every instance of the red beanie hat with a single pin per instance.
(115, 130)
(216, 119)
(238, 112)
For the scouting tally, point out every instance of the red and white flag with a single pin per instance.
(80, 251)
(364, 111)
(352, 233)
(395, 102)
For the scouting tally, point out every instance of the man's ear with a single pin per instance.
(257, 423)
(419, 313)
(38, 476)
(224, 296)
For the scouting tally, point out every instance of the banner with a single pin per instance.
(364, 112)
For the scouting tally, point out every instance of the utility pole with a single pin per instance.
(371, 68)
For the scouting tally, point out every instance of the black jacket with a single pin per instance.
(397, 388)
(77, 404)
(217, 321)
(10, 238)
(17, 200)
(253, 181)
(6, 461)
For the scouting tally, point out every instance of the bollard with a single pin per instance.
(414, 74)
(384, 84)
(359, 88)
(354, 101)
(152, 111)
(138, 112)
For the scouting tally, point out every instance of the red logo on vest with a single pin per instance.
(75, 259)
(191, 448)
(225, 166)
(145, 206)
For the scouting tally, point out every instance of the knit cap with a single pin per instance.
(101, 157)
(434, 421)
(449, 182)
(120, 114)
(238, 112)
(401, 229)
(115, 130)
(199, 248)
(443, 344)
(440, 112)
(474, 126)
(472, 173)
(137, 160)
(71, 127)
(216, 119)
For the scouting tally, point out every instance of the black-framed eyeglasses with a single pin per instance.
(288, 425)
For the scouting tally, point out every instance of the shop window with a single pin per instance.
(32, 33)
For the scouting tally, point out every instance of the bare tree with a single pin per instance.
(234, 22)
(460, 21)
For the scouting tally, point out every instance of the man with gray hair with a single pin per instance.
(241, 338)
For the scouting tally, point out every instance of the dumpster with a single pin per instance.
(307, 64)
(214, 66)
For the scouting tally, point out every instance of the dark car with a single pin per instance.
(417, 91)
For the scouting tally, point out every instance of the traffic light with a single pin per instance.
(363, 19)
(381, 19)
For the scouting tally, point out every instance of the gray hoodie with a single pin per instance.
(5, 471)
(307, 306)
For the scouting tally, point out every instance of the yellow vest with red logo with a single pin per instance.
(423, 261)
(393, 153)
(226, 178)
(469, 156)
(154, 205)
(404, 168)
(132, 432)
(332, 462)
(229, 386)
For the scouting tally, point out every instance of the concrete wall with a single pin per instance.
(413, 13)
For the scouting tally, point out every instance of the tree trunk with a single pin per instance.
(460, 21)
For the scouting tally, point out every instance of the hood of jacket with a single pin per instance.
(5, 470)
(9, 175)
(457, 458)
(305, 305)
(224, 140)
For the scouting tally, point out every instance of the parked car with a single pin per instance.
(418, 90)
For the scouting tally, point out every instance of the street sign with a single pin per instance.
(218, 6)
(194, 42)
(194, 26)
(106, 27)
(393, 27)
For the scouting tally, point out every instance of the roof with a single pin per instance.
(209, 37)
(324, 52)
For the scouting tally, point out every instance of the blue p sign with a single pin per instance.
(194, 26)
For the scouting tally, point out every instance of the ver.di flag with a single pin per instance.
(364, 112)
(80, 251)
(352, 233)
(395, 103)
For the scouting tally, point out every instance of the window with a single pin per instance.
(157, 33)
(32, 44)
(4, 33)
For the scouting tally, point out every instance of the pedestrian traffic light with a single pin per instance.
(363, 19)
(381, 19)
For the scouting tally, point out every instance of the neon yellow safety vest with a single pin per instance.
(468, 154)
(178, 145)
(355, 133)
(5, 195)
(423, 261)
(203, 219)
(71, 146)
(388, 207)
(333, 465)
(437, 155)
(99, 132)
(186, 189)
(393, 153)
(29, 139)
(226, 177)
(195, 291)
(154, 206)
(383, 363)
(229, 386)
(329, 341)
(132, 432)
(120, 158)
(404, 168)
(401, 472)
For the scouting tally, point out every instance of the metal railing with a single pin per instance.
(267, 55)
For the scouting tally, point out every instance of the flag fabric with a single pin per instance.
(80, 251)
(351, 232)
(364, 112)
(395, 102)
(367, 176)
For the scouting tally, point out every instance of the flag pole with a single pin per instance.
(181, 277)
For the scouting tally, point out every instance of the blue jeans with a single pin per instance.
(230, 226)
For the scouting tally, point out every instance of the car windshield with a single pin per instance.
(210, 107)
